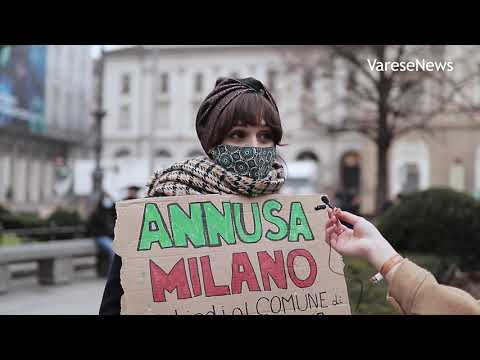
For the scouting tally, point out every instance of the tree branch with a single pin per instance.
(350, 57)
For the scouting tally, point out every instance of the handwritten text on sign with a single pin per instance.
(226, 254)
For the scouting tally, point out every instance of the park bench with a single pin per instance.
(55, 260)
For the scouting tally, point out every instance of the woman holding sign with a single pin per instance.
(412, 290)
(239, 127)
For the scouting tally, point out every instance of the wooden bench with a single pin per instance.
(54, 259)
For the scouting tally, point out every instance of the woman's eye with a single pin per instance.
(236, 135)
(265, 136)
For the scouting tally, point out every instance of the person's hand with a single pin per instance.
(364, 240)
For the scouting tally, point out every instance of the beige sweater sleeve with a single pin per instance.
(414, 291)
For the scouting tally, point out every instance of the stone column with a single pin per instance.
(55, 271)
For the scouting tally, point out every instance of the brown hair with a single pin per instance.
(246, 109)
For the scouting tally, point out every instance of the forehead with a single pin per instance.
(242, 123)
(249, 127)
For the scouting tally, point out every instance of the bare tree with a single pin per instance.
(385, 105)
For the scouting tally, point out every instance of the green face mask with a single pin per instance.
(254, 162)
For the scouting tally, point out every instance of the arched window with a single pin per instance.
(409, 163)
(350, 172)
(123, 152)
(304, 176)
(307, 155)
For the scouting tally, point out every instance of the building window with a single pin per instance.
(307, 156)
(411, 178)
(350, 173)
(198, 83)
(457, 175)
(272, 80)
(162, 115)
(162, 153)
(163, 158)
(125, 84)
(308, 77)
(121, 153)
(163, 83)
(124, 118)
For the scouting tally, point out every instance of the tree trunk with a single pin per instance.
(382, 177)
(384, 136)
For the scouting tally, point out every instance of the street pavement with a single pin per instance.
(81, 297)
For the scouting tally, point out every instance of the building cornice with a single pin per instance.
(24, 134)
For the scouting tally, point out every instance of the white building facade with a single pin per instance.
(152, 94)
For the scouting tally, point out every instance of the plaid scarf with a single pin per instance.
(202, 176)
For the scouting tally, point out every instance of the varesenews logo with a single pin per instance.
(417, 65)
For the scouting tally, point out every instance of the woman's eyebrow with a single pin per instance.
(238, 127)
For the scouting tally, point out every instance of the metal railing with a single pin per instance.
(52, 231)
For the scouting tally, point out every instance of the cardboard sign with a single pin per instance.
(227, 255)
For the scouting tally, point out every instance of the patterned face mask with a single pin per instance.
(254, 162)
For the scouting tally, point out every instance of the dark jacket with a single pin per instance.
(102, 222)
(113, 290)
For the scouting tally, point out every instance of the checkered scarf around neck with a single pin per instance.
(201, 175)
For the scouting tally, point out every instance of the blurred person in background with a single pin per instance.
(391, 202)
(239, 128)
(348, 199)
(132, 192)
(412, 289)
(101, 225)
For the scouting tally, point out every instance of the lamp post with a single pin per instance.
(98, 115)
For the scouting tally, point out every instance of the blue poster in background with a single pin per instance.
(22, 85)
